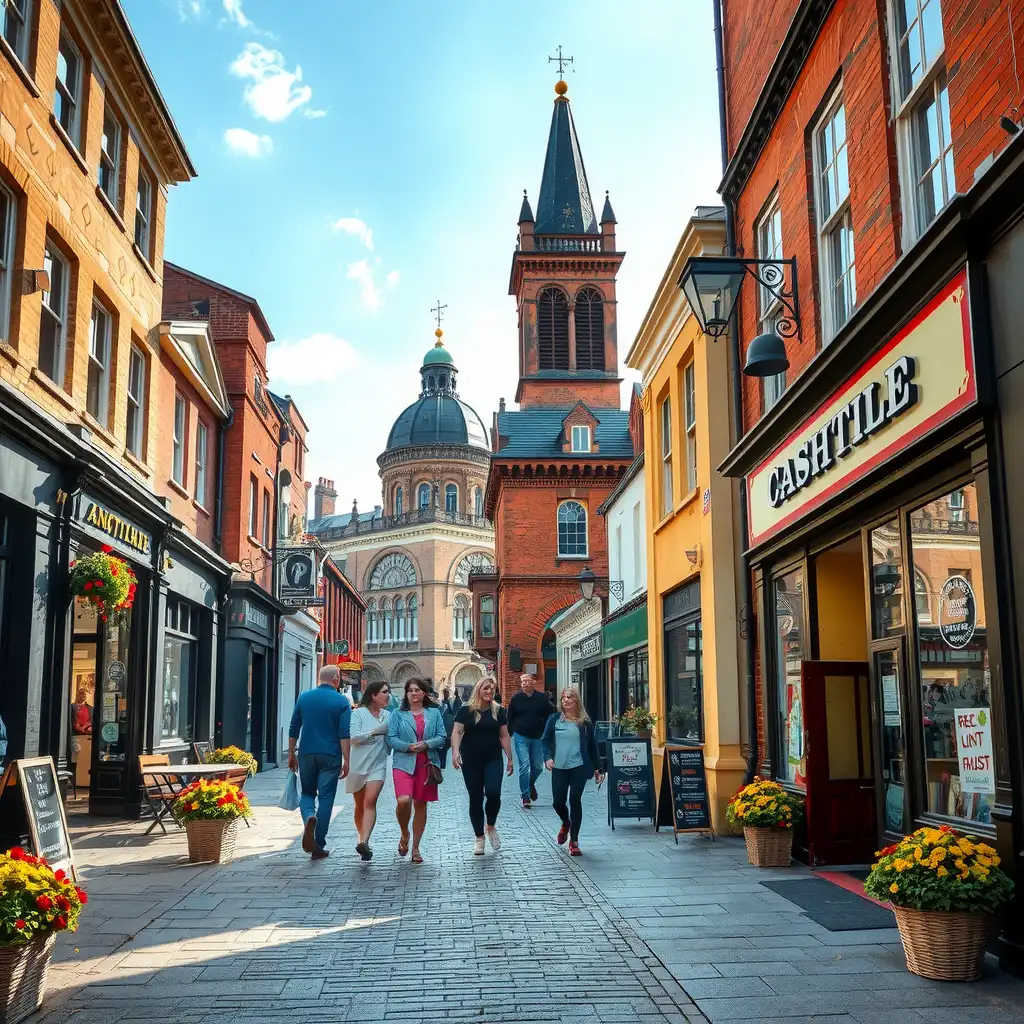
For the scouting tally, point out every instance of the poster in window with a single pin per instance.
(974, 749)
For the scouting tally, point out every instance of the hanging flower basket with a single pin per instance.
(209, 810)
(944, 887)
(35, 903)
(766, 812)
(104, 581)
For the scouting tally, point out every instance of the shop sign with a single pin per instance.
(626, 632)
(339, 647)
(297, 578)
(958, 612)
(919, 380)
(114, 526)
(590, 646)
(974, 749)
(246, 614)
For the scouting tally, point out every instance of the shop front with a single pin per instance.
(589, 675)
(296, 666)
(624, 641)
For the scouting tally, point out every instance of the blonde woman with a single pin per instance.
(479, 736)
(572, 757)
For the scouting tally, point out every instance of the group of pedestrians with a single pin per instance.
(328, 741)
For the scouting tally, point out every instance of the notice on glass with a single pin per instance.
(890, 701)
(974, 749)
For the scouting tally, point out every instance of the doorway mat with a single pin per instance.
(833, 906)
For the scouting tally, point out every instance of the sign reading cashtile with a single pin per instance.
(917, 381)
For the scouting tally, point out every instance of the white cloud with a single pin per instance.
(355, 226)
(393, 278)
(233, 9)
(314, 114)
(317, 359)
(275, 92)
(189, 9)
(365, 275)
(247, 143)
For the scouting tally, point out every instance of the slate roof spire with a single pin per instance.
(564, 206)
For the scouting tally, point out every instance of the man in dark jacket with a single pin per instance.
(528, 712)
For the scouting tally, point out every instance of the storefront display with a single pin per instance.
(684, 665)
(789, 646)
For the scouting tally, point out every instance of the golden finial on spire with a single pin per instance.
(438, 334)
(561, 88)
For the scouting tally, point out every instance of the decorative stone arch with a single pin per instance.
(539, 624)
(373, 673)
(467, 674)
(379, 557)
(403, 672)
(460, 557)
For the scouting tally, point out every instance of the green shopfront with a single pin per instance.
(624, 642)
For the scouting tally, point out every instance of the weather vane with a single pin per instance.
(438, 311)
(560, 61)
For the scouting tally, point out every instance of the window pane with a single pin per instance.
(773, 389)
(451, 498)
(178, 441)
(136, 402)
(51, 325)
(685, 679)
(886, 581)
(201, 463)
(7, 214)
(789, 653)
(572, 529)
(956, 698)
(98, 383)
(424, 496)
(178, 661)
(931, 30)
(13, 18)
(68, 85)
(110, 156)
(117, 685)
(887, 672)
(840, 262)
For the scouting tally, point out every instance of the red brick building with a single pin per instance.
(557, 458)
(877, 146)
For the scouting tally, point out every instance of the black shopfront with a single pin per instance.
(886, 540)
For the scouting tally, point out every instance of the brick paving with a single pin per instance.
(638, 929)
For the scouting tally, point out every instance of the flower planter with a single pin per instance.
(211, 840)
(23, 968)
(769, 847)
(943, 945)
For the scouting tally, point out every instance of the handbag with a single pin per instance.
(290, 797)
(434, 774)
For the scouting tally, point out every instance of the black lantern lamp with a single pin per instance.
(712, 286)
(587, 581)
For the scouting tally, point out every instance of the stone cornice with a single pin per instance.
(433, 453)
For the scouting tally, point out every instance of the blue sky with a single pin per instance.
(359, 160)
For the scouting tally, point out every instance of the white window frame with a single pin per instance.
(478, 502)
(399, 607)
(460, 619)
(23, 10)
(202, 453)
(254, 506)
(371, 622)
(586, 531)
(905, 103)
(54, 256)
(834, 221)
(266, 508)
(8, 233)
(412, 611)
(580, 438)
(179, 427)
(70, 92)
(144, 212)
(135, 438)
(667, 479)
(110, 157)
(101, 332)
(768, 237)
(690, 425)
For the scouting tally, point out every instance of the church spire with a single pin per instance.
(564, 206)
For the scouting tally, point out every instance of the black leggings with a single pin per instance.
(569, 782)
(483, 778)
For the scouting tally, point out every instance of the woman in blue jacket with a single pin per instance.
(417, 735)
(571, 755)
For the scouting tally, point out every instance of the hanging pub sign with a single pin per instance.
(920, 379)
(683, 800)
(958, 612)
(630, 781)
(297, 578)
(31, 806)
(339, 647)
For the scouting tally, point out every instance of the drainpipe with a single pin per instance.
(746, 590)
(218, 512)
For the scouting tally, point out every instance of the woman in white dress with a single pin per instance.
(369, 761)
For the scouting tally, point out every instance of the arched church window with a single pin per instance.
(553, 329)
(477, 560)
(392, 571)
(398, 501)
(413, 619)
(451, 498)
(478, 502)
(572, 529)
(442, 381)
(371, 622)
(460, 618)
(589, 316)
(387, 614)
(399, 619)
(423, 496)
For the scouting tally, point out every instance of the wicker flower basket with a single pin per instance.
(943, 945)
(212, 840)
(23, 968)
(769, 847)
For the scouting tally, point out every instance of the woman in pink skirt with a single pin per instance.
(416, 734)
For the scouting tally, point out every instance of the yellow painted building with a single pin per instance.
(696, 684)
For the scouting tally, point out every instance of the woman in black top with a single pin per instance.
(478, 738)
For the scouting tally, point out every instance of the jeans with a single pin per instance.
(318, 781)
(530, 761)
(569, 782)
(483, 778)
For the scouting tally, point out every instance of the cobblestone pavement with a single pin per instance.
(639, 929)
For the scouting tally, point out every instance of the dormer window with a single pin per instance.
(581, 439)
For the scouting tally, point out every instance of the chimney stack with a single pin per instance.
(324, 497)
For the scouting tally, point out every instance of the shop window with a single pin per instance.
(8, 218)
(15, 21)
(684, 665)
(451, 498)
(887, 672)
(114, 671)
(181, 662)
(487, 615)
(572, 530)
(886, 581)
(952, 652)
(788, 597)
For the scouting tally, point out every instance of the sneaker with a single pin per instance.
(494, 838)
(563, 835)
(319, 854)
(533, 793)
(478, 847)
(308, 842)
(364, 851)
(526, 803)
(574, 850)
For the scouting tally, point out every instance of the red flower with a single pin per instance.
(98, 584)
(106, 549)
(887, 851)
(222, 801)
(64, 903)
(60, 875)
(945, 828)
(82, 896)
(44, 902)
(113, 569)
(88, 585)
(61, 922)
(20, 924)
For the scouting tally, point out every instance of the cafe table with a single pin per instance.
(162, 783)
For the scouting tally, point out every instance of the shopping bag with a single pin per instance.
(290, 797)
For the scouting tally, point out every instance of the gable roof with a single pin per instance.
(537, 434)
(254, 306)
(190, 347)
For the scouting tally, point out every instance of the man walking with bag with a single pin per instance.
(320, 724)
(528, 712)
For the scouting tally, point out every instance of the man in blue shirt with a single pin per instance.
(320, 724)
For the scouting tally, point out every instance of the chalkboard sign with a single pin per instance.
(683, 798)
(630, 782)
(31, 786)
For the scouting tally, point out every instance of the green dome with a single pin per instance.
(438, 354)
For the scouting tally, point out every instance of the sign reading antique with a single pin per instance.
(921, 378)
(116, 527)
(958, 612)
(974, 749)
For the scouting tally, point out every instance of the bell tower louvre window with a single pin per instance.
(553, 329)
(589, 317)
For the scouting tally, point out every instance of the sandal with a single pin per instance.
(403, 846)
(416, 858)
